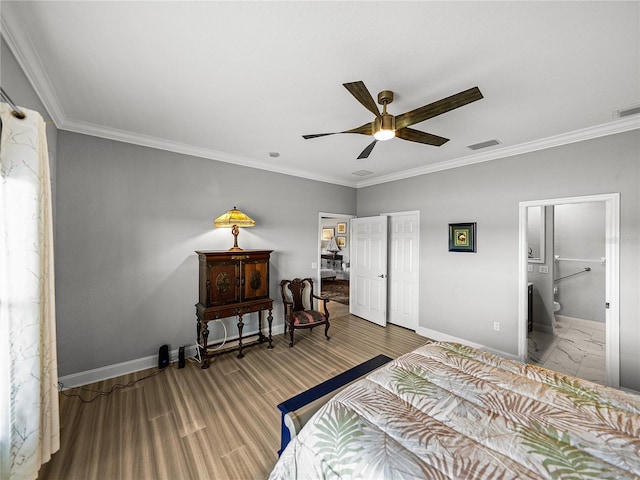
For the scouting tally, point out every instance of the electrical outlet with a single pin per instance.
(314, 265)
(530, 268)
(543, 269)
(496, 326)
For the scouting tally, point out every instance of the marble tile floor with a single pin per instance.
(578, 348)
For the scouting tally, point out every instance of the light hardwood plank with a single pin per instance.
(219, 423)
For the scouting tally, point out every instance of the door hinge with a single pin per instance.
(606, 304)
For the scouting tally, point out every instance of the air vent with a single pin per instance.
(625, 112)
(488, 143)
(362, 173)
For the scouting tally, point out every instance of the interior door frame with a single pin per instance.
(612, 277)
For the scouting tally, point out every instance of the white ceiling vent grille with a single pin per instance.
(362, 173)
(488, 143)
(625, 112)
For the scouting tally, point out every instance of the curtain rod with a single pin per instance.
(16, 111)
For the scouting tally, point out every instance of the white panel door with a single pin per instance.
(404, 231)
(368, 274)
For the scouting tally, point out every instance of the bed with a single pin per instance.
(450, 411)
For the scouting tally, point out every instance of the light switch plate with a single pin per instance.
(543, 269)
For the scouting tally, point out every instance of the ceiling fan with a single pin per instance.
(386, 126)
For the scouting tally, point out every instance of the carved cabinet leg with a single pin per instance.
(203, 346)
(261, 337)
(270, 321)
(240, 326)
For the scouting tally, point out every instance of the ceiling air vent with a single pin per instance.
(625, 112)
(362, 173)
(488, 143)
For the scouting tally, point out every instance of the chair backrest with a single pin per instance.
(298, 288)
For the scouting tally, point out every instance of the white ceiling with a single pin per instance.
(233, 81)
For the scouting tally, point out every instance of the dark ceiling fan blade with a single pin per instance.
(365, 153)
(361, 93)
(420, 137)
(316, 135)
(438, 108)
(366, 129)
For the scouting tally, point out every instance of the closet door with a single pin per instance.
(404, 274)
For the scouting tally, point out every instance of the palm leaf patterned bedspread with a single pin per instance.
(450, 411)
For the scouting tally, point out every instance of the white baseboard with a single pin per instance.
(443, 337)
(131, 366)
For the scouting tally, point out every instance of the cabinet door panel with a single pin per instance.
(255, 279)
(224, 278)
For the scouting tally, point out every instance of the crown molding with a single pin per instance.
(185, 149)
(611, 128)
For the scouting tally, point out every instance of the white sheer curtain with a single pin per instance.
(29, 417)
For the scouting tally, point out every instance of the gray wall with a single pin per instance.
(579, 233)
(129, 220)
(462, 294)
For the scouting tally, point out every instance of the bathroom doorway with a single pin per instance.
(569, 343)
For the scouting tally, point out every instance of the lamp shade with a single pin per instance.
(332, 246)
(234, 219)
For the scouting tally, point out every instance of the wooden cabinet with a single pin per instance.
(232, 284)
(233, 277)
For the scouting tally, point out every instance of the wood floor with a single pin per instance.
(220, 423)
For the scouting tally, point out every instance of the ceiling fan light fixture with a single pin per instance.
(385, 127)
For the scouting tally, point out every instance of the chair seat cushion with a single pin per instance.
(307, 317)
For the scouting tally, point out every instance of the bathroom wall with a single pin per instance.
(579, 233)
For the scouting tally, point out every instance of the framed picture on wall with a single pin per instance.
(342, 228)
(328, 233)
(462, 237)
(342, 241)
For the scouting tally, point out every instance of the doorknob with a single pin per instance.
(381, 275)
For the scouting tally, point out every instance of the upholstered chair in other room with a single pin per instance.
(302, 306)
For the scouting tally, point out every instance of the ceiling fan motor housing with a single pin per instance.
(385, 97)
(385, 122)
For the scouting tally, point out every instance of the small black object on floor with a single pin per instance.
(163, 357)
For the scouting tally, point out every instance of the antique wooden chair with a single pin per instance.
(302, 306)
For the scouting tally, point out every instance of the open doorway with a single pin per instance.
(334, 256)
(569, 285)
